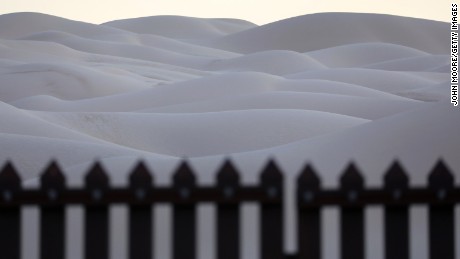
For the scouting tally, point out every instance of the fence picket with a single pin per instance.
(228, 214)
(396, 216)
(96, 215)
(309, 220)
(441, 216)
(10, 182)
(184, 219)
(352, 216)
(271, 228)
(52, 220)
(140, 215)
(228, 194)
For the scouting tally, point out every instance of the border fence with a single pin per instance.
(228, 194)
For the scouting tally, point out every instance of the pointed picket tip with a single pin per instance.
(352, 178)
(184, 174)
(97, 177)
(52, 176)
(9, 177)
(227, 173)
(396, 177)
(441, 176)
(140, 176)
(308, 178)
(271, 174)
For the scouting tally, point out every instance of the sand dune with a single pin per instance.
(151, 79)
(406, 132)
(302, 33)
(339, 104)
(18, 25)
(141, 52)
(61, 80)
(19, 122)
(360, 54)
(423, 63)
(439, 92)
(154, 41)
(182, 27)
(166, 130)
(386, 81)
(36, 51)
(275, 62)
(209, 88)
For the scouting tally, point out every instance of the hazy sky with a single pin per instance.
(257, 11)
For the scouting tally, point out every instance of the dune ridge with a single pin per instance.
(338, 29)
(193, 75)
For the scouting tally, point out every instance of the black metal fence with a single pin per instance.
(228, 194)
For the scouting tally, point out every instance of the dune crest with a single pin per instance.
(182, 27)
(174, 86)
(302, 33)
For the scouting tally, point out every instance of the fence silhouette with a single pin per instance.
(141, 194)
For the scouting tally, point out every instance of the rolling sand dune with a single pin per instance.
(18, 25)
(338, 104)
(326, 30)
(65, 81)
(167, 136)
(126, 50)
(181, 27)
(361, 54)
(386, 81)
(422, 63)
(275, 62)
(324, 88)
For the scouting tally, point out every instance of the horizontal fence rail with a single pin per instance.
(228, 194)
